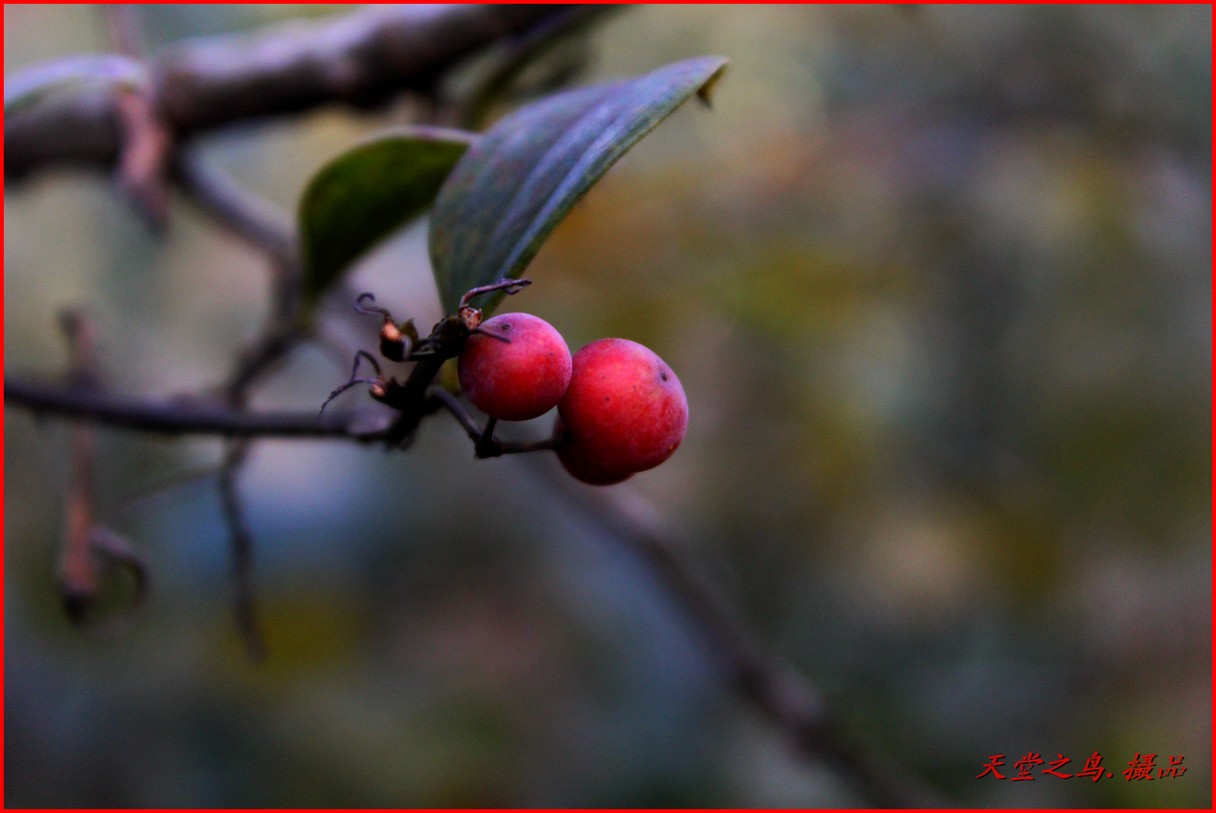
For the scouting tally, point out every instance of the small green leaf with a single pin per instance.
(366, 193)
(36, 83)
(511, 190)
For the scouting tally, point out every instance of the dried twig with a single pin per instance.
(87, 545)
(79, 575)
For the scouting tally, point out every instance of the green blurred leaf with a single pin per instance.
(366, 193)
(36, 83)
(509, 192)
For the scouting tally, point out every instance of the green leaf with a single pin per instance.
(366, 193)
(512, 189)
(30, 86)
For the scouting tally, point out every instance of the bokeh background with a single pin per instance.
(936, 282)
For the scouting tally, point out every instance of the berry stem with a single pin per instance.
(410, 399)
(484, 443)
(509, 286)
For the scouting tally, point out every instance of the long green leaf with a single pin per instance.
(510, 191)
(366, 193)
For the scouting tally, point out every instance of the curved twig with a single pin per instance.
(773, 688)
(255, 220)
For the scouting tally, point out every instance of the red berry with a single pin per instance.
(518, 379)
(625, 410)
(574, 459)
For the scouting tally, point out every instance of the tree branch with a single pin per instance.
(187, 418)
(771, 687)
(363, 58)
(782, 695)
(264, 228)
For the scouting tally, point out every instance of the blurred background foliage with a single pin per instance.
(936, 281)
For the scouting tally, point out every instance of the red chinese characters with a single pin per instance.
(1175, 770)
(1024, 765)
(1053, 767)
(1093, 767)
(990, 767)
(1141, 768)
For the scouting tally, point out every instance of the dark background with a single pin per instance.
(936, 282)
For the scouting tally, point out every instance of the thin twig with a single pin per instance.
(252, 218)
(263, 355)
(90, 551)
(79, 574)
(452, 404)
(143, 167)
(115, 552)
(147, 148)
(241, 546)
(164, 486)
(484, 443)
(260, 224)
(184, 418)
(776, 690)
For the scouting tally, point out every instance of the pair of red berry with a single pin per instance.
(621, 409)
